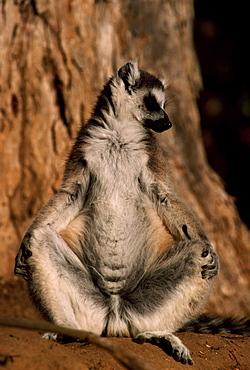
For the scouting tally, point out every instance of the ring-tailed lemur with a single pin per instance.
(115, 252)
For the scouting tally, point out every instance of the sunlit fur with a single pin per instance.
(115, 252)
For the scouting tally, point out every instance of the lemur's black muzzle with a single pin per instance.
(159, 125)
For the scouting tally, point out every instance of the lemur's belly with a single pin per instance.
(121, 235)
(117, 242)
(126, 234)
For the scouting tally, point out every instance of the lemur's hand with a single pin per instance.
(21, 266)
(211, 263)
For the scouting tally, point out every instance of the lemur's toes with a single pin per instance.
(210, 269)
(169, 343)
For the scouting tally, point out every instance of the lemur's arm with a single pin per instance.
(62, 209)
(178, 219)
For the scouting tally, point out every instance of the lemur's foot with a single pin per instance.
(50, 336)
(169, 343)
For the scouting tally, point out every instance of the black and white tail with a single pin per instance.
(218, 325)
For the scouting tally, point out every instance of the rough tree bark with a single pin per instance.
(55, 56)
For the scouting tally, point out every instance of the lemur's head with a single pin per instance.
(144, 96)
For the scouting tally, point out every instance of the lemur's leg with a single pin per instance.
(170, 294)
(171, 344)
(60, 284)
(60, 212)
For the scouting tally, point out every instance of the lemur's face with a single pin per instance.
(145, 97)
(154, 115)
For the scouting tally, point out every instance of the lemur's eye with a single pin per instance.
(151, 103)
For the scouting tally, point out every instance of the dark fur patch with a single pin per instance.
(151, 103)
(147, 81)
(218, 325)
(157, 284)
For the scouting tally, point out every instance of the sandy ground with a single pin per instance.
(22, 349)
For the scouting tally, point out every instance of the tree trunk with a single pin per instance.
(55, 56)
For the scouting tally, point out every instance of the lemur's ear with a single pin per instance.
(129, 73)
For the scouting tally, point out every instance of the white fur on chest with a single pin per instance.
(116, 153)
(116, 158)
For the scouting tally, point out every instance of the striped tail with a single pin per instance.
(217, 325)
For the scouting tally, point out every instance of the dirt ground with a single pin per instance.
(22, 349)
